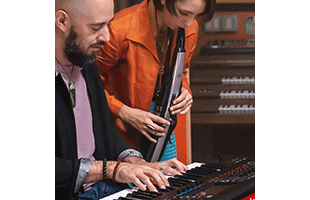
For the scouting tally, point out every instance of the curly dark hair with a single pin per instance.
(170, 4)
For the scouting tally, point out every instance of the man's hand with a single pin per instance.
(136, 170)
(141, 175)
(140, 120)
(140, 172)
(183, 103)
(166, 167)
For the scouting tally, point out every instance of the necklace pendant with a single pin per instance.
(72, 94)
(161, 71)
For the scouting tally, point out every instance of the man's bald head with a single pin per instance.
(75, 8)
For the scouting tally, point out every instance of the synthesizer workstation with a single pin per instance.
(229, 181)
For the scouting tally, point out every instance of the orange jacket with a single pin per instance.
(129, 63)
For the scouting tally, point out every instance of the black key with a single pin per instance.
(177, 181)
(187, 179)
(213, 165)
(203, 171)
(187, 176)
(193, 175)
(206, 169)
(152, 192)
(145, 193)
(199, 172)
(139, 196)
(127, 198)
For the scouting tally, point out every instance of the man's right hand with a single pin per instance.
(141, 176)
(140, 120)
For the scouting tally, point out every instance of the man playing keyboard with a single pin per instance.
(92, 160)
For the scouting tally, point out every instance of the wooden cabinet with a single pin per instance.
(223, 111)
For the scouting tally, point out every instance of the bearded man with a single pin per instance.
(92, 161)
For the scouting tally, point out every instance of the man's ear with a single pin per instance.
(62, 20)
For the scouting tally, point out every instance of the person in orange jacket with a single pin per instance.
(134, 63)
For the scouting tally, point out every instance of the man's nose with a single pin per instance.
(104, 34)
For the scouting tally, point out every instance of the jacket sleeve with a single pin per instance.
(190, 45)
(108, 57)
(66, 173)
(66, 165)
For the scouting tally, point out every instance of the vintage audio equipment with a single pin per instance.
(231, 181)
(221, 47)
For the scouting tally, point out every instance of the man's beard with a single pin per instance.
(75, 54)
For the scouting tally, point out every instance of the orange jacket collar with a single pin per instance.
(140, 30)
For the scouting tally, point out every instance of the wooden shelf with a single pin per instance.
(209, 91)
(216, 118)
(224, 60)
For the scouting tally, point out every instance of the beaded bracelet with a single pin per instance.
(114, 171)
(104, 168)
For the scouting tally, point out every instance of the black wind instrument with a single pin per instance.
(152, 152)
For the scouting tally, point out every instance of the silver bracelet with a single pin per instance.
(129, 152)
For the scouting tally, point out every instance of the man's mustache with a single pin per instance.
(99, 43)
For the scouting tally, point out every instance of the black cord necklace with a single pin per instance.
(72, 86)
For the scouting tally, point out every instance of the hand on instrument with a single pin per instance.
(141, 175)
(183, 103)
(167, 167)
(143, 121)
